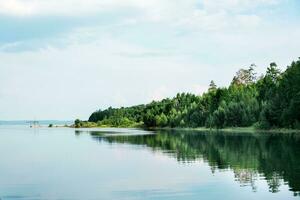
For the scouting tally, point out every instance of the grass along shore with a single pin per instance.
(232, 129)
(251, 129)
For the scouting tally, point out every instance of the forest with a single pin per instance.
(268, 101)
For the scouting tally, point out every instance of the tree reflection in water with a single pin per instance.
(275, 157)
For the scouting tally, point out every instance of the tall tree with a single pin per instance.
(212, 86)
(245, 76)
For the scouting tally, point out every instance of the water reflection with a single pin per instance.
(273, 157)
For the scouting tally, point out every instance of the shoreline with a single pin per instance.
(229, 129)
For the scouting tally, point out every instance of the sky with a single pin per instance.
(64, 59)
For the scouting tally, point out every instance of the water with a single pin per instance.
(64, 163)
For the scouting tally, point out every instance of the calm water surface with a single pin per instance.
(62, 163)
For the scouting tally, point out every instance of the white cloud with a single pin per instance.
(77, 7)
(154, 10)
(96, 77)
(159, 93)
(205, 15)
(248, 21)
(199, 89)
(16, 7)
(161, 48)
(236, 5)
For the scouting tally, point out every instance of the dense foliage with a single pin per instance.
(270, 101)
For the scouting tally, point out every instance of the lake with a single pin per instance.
(64, 164)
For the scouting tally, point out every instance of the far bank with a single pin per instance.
(251, 129)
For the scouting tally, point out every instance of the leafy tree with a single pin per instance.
(219, 118)
(212, 86)
(245, 76)
(77, 123)
(161, 120)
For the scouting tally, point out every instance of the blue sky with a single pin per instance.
(64, 59)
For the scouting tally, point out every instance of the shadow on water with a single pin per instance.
(251, 156)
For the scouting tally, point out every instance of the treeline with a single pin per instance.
(271, 100)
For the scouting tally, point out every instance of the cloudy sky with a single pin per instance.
(63, 59)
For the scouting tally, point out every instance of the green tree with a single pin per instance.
(161, 120)
(245, 76)
(212, 86)
(271, 101)
(219, 118)
(77, 123)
